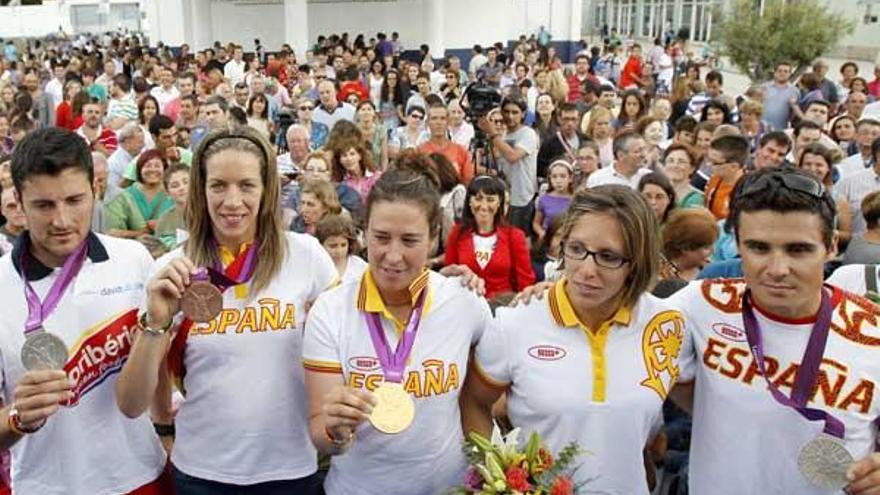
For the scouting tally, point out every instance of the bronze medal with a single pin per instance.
(394, 411)
(201, 302)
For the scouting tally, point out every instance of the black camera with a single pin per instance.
(481, 99)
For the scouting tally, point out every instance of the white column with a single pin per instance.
(652, 19)
(433, 20)
(296, 27)
(201, 23)
(709, 25)
(575, 19)
(694, 22)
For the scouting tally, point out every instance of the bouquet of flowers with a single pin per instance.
(500, 467)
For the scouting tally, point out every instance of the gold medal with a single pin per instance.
(394, 410)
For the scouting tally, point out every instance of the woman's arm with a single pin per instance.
(476, 400)
(335, 411)
(538, 222)
(138, 386)
(844, 221)
(519, 256)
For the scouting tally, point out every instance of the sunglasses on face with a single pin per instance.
(306, 108)
(417, 116)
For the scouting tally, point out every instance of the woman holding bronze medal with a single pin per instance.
(386, 355)
(594, 359)
(243, 286)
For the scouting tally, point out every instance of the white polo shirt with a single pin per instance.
(743, 441)
(88, 447)
(610, 175)
(244, 420)
(603, 389)
(426, 458)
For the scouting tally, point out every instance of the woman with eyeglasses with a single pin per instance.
(243, 285)
(318, 132)
(595, 358)
(484, 242)
(407, 136)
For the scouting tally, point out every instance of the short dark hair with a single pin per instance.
(419, 187)
(685, 123)
(123, 82)
(49, 151)
(513, 99)
(775, 196)
(735, 148)
(806, 124)
(607, 88)
(778, 137)
(221, 102)
(819, 101)
(715, 76)
(159, 123)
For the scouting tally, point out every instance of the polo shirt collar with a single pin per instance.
(36, 270)
(564, 315)
(369, 299)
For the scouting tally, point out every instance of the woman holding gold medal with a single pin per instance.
(243, 286)
(594, 359)
(386, 356)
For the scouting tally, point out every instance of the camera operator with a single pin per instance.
(517, 158)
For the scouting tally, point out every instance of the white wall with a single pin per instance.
(241, 23)
(31, 20)
(403, 16)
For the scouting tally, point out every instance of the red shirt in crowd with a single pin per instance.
(632, 73)
(509, 268)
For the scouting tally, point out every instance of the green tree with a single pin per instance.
(798, 31)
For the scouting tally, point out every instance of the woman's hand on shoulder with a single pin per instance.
(467, 278)
(531, 292)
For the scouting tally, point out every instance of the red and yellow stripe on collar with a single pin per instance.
(563, 314)
(370, 300)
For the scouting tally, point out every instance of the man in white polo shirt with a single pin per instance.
(630, 150)
(70, 306)
(817, 344)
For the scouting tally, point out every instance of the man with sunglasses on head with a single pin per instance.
(779, 369)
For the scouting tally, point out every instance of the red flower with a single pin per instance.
(562, 486)
(518, 479)
(545, 459)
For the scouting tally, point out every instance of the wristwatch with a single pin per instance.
(142, 322)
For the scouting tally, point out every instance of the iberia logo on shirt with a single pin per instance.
(100, 352)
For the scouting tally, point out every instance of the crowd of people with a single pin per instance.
(532, 262)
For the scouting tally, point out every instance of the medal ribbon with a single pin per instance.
(393, 364)
(806, 373)
(38, 312)
(238, 272)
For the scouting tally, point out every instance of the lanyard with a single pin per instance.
(809, 366)
(38, 312)
(393, 364)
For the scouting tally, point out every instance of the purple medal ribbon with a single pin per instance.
(806, 373)
(217, 276)
(38, 312)
(394, 364)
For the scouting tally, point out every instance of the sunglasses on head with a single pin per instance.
(792, 182)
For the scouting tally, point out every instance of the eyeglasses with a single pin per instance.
(306, 108)
(417, 116)
(604, 259)
(790, 181)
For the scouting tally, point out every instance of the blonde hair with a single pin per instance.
(270, 230)
(638, 226)
(325, 193)
(596, 113)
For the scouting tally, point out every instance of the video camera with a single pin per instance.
(481, 99)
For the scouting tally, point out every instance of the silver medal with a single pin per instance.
(43, 351)
(824, 462)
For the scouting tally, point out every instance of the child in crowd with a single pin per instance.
(554, 203)
(338, 236)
